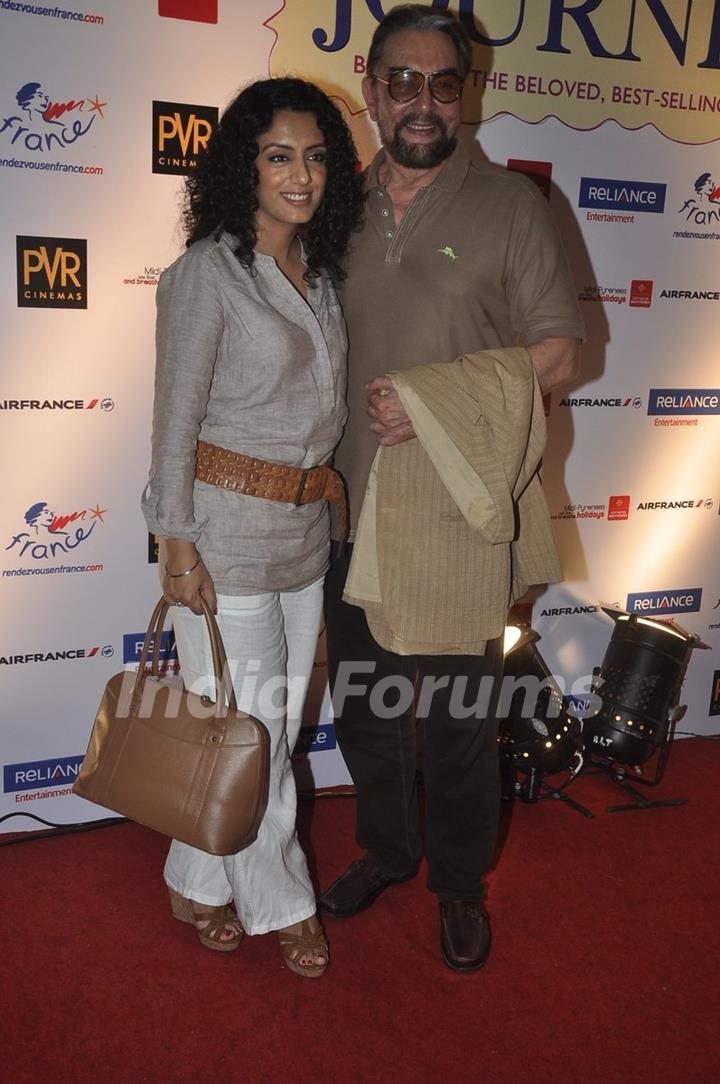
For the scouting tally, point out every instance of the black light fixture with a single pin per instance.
(638, 684)
(536, 733)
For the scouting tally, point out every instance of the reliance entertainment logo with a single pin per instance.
(679, 600)
(133, 645)
(316, 739)
(684, 401)
(609, 195)
(35, 774)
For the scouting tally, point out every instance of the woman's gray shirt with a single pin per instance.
(244, 362)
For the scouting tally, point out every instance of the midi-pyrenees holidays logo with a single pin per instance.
(41, 124)
(51, 272)
(637, 296)
(677, 600)
(179, 133)
(46, 535)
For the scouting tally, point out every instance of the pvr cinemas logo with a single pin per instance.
(180, 132)
(52, 272)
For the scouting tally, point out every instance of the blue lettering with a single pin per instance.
(39, 551)
(712, 60)
(667, 27)
(467, 18)
(580, 13)
(16, 538)
(343, 22)
(581, 17)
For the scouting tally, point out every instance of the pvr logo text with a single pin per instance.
(180, 132)
(65, 264)
(52, 272)
(171, 128)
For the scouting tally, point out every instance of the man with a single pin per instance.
(453, 259)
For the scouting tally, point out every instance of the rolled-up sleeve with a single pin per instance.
(188, 332)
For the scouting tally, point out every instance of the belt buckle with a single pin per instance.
(301, 486)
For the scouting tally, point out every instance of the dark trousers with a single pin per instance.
(462, 789)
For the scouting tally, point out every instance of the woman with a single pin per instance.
(251, 374)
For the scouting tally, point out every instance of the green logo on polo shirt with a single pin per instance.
(447, 251)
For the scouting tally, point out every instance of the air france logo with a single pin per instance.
(46, 535)
(105, 405)
(41, 124)
(702, 208)
(633, 401)
(37, 774)
(180, 133)
(679, 600)
(609, 195)
(684, 401)
(64, 655)
(51, 272)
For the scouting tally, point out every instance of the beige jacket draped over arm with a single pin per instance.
(454, 526)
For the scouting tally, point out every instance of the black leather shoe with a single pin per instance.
(356, 888)
(464, 934)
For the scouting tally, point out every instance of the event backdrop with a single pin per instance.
(612, 106)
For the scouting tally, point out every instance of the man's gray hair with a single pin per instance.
(423, 18)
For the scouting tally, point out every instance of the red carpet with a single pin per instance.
(604, 967)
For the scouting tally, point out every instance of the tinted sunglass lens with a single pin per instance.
(404, 86)
(445, 88)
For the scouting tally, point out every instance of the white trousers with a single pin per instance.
(270, 642)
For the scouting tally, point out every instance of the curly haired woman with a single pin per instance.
(249, 405)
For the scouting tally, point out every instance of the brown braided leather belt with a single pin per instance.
(271, 481)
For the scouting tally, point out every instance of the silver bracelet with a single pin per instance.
(177, 575)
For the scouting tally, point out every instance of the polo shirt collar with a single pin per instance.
(450, 178)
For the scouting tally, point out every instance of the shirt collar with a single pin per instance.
(262, 257)
(450, 178)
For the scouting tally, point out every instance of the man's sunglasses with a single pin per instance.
(406, 84)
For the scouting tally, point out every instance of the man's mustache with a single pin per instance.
(421, 118)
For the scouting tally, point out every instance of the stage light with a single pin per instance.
(639, 685)
(536, 734)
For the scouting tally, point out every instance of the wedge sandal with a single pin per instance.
(294, 946)
(217, 920)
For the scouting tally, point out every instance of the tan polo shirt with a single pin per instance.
(475, 264)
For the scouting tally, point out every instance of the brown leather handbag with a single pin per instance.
(191, 767)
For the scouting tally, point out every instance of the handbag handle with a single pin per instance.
(224, 691)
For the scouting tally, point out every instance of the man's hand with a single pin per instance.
(390, 423)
